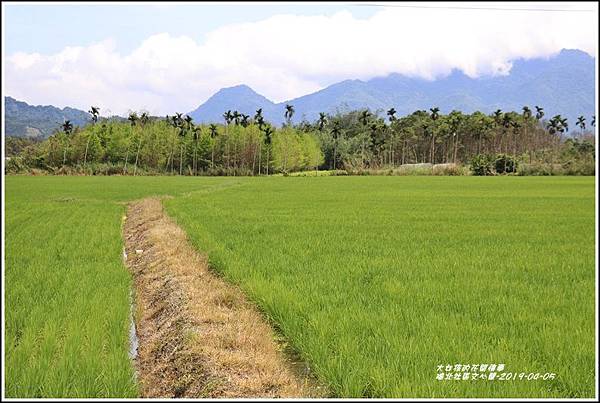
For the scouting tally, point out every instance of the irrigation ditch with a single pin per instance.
(193, 334)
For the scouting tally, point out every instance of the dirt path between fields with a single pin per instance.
(198, 335)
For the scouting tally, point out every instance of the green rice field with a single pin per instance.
(67, 290)
(374, 281)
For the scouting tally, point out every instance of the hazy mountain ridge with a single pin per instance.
(24, 120)
(562, 84)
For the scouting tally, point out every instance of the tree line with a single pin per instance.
(356, 140)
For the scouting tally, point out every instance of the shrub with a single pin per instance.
(414, 169)
(339, 172)
(587, 168)
(65, 170)
(505, 164)
(38, 172)
(540, 169)
(449, 170)
(15, 165)
(104, 169)
(579, 168)
(313, 173)
(424, 169)
(481, 165)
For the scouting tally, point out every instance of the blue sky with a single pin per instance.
(48, 28)
(164, 57)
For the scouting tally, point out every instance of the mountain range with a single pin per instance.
(24, 120)
(563, 84)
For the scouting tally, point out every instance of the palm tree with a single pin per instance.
(497, 115)
(377, 144)
(484, 125)
(95, 112)
(455, 119)
(187, 126)
(268, 133)
(176, 122)
(228, 116)
(364, 117)
(133, 118)
(322, 120)
(188, 122)
(391, 113)
(392, 118)
(236, 120)
(506, 124)
(335, 132)
(213, 135)
(539, 114)
(364, 120)
(196, 133)
(260, 120)
(178, 118)
(581, 123)
(564, 124)
(559, 125)
(236, 117)
(553, 125)
(143, 119)
(67, 128)
(434, 116)
(527, 114)
(181, 135)
(516, 127)
(289, 112)
(245, 120)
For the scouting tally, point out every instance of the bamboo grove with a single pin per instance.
(353, 141)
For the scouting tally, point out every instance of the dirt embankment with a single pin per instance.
(198, 335)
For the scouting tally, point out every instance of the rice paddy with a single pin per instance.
(67, 295)
(374, 281)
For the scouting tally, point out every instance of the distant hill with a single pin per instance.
(24, 120)
(246, 100)
(562, 84)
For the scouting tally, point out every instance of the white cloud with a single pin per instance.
(22, 61)
(286, 56)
